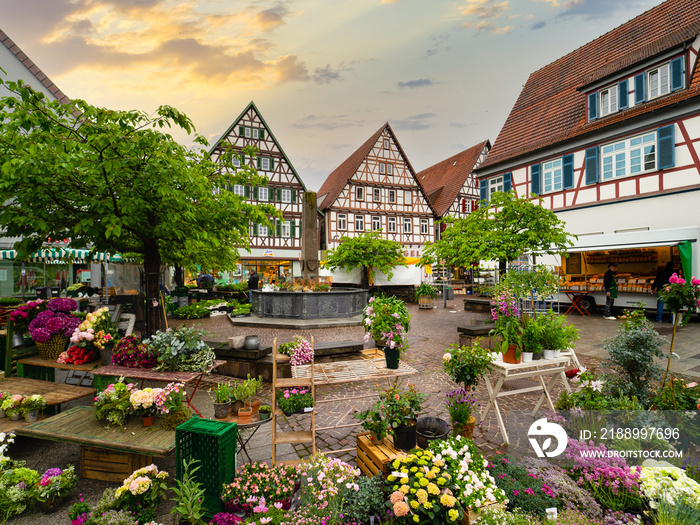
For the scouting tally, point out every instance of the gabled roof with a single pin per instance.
(269, 131)
(551, 107)
(442, 181)
(33, 68)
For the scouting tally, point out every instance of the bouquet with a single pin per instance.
(295, 399)
(32, 403)
(25, 314)
(55, 320)
(143, 401)
(56, 483)
(113, 404)
(11, 405)
(300, 351)
(132, 353)
(181, 350)
(142, 492)
(77, 355)
(97, 330)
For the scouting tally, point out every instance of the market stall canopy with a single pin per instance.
(64, 254)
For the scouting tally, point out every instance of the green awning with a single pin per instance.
(64, 254)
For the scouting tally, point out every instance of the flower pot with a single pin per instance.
(264, 415)
(425, 302)
(405, 437)
(2, 413)
(392, 355)
(557, 353)
(221, 410)
(509, 356)
(429, 429)
(16, 417)
(106, 356)
(31, 416)
(148, 420)
(244, 415)
(53, 347)
(548, 354)
(464, 429)
(526, 357)
(536, 356)
(255, 405)
(235, 406)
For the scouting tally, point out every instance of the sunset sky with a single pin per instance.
(325, 74)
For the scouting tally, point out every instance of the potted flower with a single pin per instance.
(113, 404)
(131, 352)
(245, 391)
(171, 402)
(373, 422)
(31, 406)
(424, 295)
(400, 408)
(51, 328)
(295, 400)
(265, 411)
(142, 493)
(508, 326)
(144, 404)
(300, 351)
(78, 512)
(387, 321)
(11, 405)
(98, 332)
(3, 397)
(461, 405)
(221, 395)
(54, 486)
(466, 364)
(25, 314)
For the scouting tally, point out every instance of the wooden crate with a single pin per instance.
(373, 458)
(110, 465)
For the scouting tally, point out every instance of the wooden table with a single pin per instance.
(552, 368)
(575, 297)
(105, 375)
(38, 368)
(107, 453)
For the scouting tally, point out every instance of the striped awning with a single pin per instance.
(64, 254)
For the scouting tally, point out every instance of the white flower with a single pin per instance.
(447, 356)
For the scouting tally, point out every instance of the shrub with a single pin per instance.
(367, 501)
(466, 364)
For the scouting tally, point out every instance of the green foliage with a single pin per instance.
(680, 512)
(466, 364)
(246, 389)
(400, 405)
(499, 516)
(192, 311)
(189, 495)
(508, 227)
(10, 301)
(359, 505)
(181, 350)
(425, 290)
(555, 332)
(387, 319)
(367, 251)
(113, 517)
(538, 281)
(676, 394)
(633, 353)
(221, 393)
(372, 421)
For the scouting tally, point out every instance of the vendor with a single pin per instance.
(610, 287)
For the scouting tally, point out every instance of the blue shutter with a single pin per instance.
(622, 94)
(536, 179)
(483, 190)
(676, 74)
(593, 106)
(666, 147)
(507, 182)
(640, 84)
(568, 165)
(592, 165)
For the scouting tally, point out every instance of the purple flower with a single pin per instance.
(62, 304)
(40, 335)
(53, 472)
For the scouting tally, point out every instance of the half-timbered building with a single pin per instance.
(376, 189)
(274, 250)
(608, 137)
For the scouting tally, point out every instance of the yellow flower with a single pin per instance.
(414, 469)
(391, 477)
(416, 518)
(414, 504)
(453, 515)
(403, 489)
(447, 500)
(423, 482)
(428, 505)
(441, 481)
(422, 495)
(404, 481)
(404, 470)
(430, 475)
(396, 463)
(433, 489)
(438, 462)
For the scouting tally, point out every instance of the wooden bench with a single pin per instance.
(334, 348)
(469, 334)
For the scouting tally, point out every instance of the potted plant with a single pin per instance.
(51, 328)
(556, 335)
(98, 332)
(181, 350)
(265, 411)
(461, 405)
(131, 352)
(31, 406)
(145, 501)
(3, 397)
(531, 338)
(25, 314)
(424, 295)
(508, 326)
(144, 404)
(295, 400)
(113, 404)
(373, 422)
(466, 364)
(54, 487)
(387, 321)
(246, 391)
(12, 406)
(221, 395)
(78, 512)
(171, 402)
(300, 351)
(400, 408)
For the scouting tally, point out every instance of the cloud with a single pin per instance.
(327, 123)
(290, 69)
(490, 27)
(421, 82)
(415, 122)
(596, 9)
(272, 17)
(484, 9)
(439, 45)
(538, 25)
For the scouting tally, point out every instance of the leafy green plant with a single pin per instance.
(400, 405)
(531, 335)
(189, 495)
(372, 421)
(221, 393)
(425, 290)
(246, 389)
(265, 409)
(538, 282)
(181, 350)
(386, 320)
(679, 513)
(556, 333)
(367, 501)
(466, 364)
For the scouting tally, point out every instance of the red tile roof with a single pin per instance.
(551, 107)
(442, 181)
(33, 68)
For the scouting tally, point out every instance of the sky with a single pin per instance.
(325, 74)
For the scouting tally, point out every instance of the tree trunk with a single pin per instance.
(502, 266)
(179, 276)
(153, 316)
(364, 279)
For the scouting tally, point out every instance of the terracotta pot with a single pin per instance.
(509, 356)
(244, 415)
(255, 405)
(465, 430)
(148, 420)
(235, 406)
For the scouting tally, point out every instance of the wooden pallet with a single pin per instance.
(374, 458)
(110, 465)
(349, 371)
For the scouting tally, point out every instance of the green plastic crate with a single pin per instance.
(213, 444)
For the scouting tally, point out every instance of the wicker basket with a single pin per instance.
(53, 347)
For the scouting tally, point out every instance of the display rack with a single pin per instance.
(294, 436)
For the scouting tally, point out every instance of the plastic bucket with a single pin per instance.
(430, 428)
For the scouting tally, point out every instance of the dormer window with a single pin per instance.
(608, 101)
(659, 81)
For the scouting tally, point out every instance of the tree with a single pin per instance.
(366, 251)
(502, 231)
(112, 181)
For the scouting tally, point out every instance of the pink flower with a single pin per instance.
(695, 281)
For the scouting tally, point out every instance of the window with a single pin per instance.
(263, 194)
(255, 133)
(424, 226)
(552, 175)
(342, 221)
(236, 162)
(392, 195)
(391, 224)
(262, 231)
(285, 229)
(359, 193)
(286, 195)
(377, 194)
(239, 189)
(389, 169)
(265, 164)
(659, 83)
(407, 197)
(608, 101)
(407, 225)
(495, 184)
(359, 223)
(628, 157)
(248, 133)
(376, 223)
(386, 143)
(382, 168)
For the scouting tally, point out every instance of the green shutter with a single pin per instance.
(279, 195)
(256, 193)
(294, 196)
(246, 191)
(279, 228)
(241, 131)
(255, 230)
(293, 229)
(272, 164)
(258, 162)
(536, 179)
(261, 134)
(592, 165)
(666, 147)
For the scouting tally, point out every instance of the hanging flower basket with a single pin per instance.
(53, 347)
